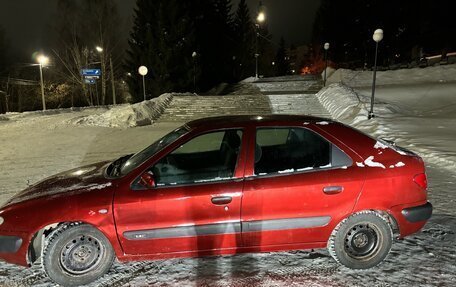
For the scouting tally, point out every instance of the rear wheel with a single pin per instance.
(77, 254)
(361, 241)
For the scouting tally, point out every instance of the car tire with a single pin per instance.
(361, 241)
(76, 254)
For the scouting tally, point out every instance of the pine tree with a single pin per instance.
(3, 51)
(281, 62)
(226, 41)
(245, 38)
(162, 39)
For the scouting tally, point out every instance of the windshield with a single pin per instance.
(138, 158)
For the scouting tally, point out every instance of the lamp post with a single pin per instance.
(326, 47)
(111, 67)
(194, 70)
(378, 36)
(42, 61)
(103, 72)
(142, 70)
(113, 86)
(261, 17)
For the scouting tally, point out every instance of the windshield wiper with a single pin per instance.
(114, 168)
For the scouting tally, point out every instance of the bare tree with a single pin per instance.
(81, 27)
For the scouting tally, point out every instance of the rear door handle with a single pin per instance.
(221, 200)
(333, 189)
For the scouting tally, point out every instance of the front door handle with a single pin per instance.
(221, 200)
(333, 189)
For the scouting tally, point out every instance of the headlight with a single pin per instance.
(1, 220)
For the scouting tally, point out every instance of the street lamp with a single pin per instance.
(142, 70)
(194, 70)
(42, 61)
(378, 36)
(261, 17)
(326, 47)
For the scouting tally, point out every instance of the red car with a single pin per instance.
(222, 185)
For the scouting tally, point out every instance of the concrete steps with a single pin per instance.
(298, 104)
(187, 108)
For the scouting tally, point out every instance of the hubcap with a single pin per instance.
(81, 254)
(361, 241)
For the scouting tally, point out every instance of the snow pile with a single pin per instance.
(346, 105)
(329, 72)
(436, 74)
(125, 116)
(249, 80)
(341, 101)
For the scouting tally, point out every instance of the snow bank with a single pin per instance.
(340, 101)
(346, 105)
(15, 116)
(352, 78)
(329, 72)
(125, 116)
(249, 80)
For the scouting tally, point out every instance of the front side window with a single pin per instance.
(205, 158)
(138, 158)
(284, 150)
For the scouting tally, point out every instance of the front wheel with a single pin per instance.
(77, 254)
(361, 241)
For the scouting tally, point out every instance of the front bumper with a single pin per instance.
(10, 244)
(14, 247)
(418, 213)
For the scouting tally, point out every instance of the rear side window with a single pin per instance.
(284, 150)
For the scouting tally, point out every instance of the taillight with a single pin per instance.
(421, 180)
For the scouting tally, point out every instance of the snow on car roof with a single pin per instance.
(246, 119)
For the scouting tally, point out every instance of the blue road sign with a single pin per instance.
(91, 77)
(91, 72)
(90, 81)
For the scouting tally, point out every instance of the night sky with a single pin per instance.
(27, 22)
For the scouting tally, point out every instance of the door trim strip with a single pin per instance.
(184, 231)
(287, 223)
(228, 228)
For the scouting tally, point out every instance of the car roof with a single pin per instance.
(241, 120)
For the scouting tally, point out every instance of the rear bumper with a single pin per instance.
(411, 217)
(418, 213)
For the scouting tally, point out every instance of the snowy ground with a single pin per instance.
(34, 146)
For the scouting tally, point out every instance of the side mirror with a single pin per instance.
(147, 180)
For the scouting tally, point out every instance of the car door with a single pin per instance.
(298, 185)
(195, 204)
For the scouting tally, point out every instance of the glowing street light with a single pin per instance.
(377, 37)
(99, 49)
(42, 61)
(261, 17)
(142, 70)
